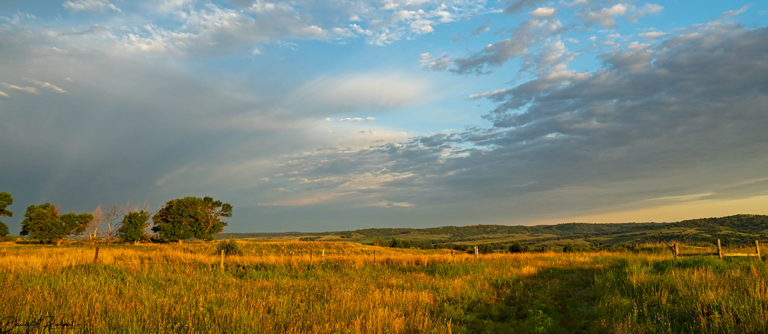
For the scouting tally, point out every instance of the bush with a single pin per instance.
(398, 243)
(230, 247)
(517, 247)
(485, 248)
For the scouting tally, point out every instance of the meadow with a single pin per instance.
(290, 287)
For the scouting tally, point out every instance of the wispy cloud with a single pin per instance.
(90, 5)
(25, 89)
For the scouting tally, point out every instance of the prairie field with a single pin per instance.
(339, 287)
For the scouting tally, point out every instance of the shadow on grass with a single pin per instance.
(555, 300)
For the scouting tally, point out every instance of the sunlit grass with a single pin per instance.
(290, 287)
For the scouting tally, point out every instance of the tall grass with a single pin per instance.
(288, 287)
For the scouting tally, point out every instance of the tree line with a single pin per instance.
(179, 219)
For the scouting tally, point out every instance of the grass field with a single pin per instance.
(287, 287)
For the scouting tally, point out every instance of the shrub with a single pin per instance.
(517, 247)
(230, 247)
(485, 248)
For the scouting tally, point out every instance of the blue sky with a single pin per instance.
(328, 115)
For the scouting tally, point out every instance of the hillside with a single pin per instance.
(732, 230)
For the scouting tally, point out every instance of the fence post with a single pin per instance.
(757, 250)
(374, 256)
(322, 255)
(719, 250)
(676, 252)
(96, 255)
(476, 251)
(221, 263)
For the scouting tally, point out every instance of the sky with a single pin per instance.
(335, 115)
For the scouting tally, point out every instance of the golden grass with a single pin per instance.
(288, 287)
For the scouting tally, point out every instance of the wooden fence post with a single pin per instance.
(757, 250)
(719, 250)
(221, 263)
(310, 257)
(322, 255)
(476, 251)
(374, 256)
(676, 252)
(96, 255)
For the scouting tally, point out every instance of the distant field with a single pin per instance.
(288, 287)
(732, 230)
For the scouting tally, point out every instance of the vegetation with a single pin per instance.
(734, 230)
(43, 222)
(191, 217)
(5, 201)
(229, 247)
(517, 247)
(133, 226)
(286, 287)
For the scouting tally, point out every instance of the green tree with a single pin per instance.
(44, 223)
(190, 217)
(133, 226)
(212, 223)
(5, 201)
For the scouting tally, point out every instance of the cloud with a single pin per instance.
(3, 94)
(90, 5)
(25, 89)
(47, 85)
(516, 6)
(363, 91)
(653, 34)
(357, 119)
(214, 30)
(543, 12)
(606, 17)
(480, 29)
(436, 64)
(654, 122)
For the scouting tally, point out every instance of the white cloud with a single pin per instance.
(543, 12)
(431, 63)
(3, 94)
(606, 16)
(90, 5)
(653, 34)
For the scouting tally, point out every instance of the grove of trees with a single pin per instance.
(179, 219)
(43, 222)
(191, 217)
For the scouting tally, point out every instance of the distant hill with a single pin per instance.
(732, 230)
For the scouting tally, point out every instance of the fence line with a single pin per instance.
(720, 254)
